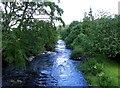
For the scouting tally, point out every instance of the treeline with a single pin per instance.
(93, 36)
(24, 35)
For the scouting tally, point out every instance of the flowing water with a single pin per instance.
(59, 70)
(51, 69)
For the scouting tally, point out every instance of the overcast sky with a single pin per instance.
(75, 9)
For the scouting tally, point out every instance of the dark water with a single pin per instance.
(57, 69)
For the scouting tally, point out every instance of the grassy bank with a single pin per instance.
(100, 71)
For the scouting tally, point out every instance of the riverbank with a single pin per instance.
(100, 71)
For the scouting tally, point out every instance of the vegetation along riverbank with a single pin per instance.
(98, 38)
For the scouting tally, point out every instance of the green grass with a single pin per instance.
(109, 72)
(112, 69)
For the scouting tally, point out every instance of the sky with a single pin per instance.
(75, 9)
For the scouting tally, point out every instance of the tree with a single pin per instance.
(98, 36)
(21, 28)
(90, 14)
(18, 13)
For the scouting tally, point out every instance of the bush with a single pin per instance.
(77, 53)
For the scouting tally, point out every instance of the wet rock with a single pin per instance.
(19, 81)
(30, 58)
(12, 81)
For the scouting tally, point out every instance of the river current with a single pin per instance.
(62, 71)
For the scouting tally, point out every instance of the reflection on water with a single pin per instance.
(63, 69)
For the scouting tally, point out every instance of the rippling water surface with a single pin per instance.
(62, 71)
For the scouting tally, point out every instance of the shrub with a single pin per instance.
(77, 53)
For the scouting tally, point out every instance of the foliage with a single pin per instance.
(96, 71)
(92, 66)
(78, 52)
(72, 32)
(24, 35)
(67, 30)
(95, 36)
(22, 14)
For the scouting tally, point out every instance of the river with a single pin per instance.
(58, 70)
(49, 69)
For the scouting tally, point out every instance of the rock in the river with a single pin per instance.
(30, 58)
(47, 53)
(19, 81)
(12, 81)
